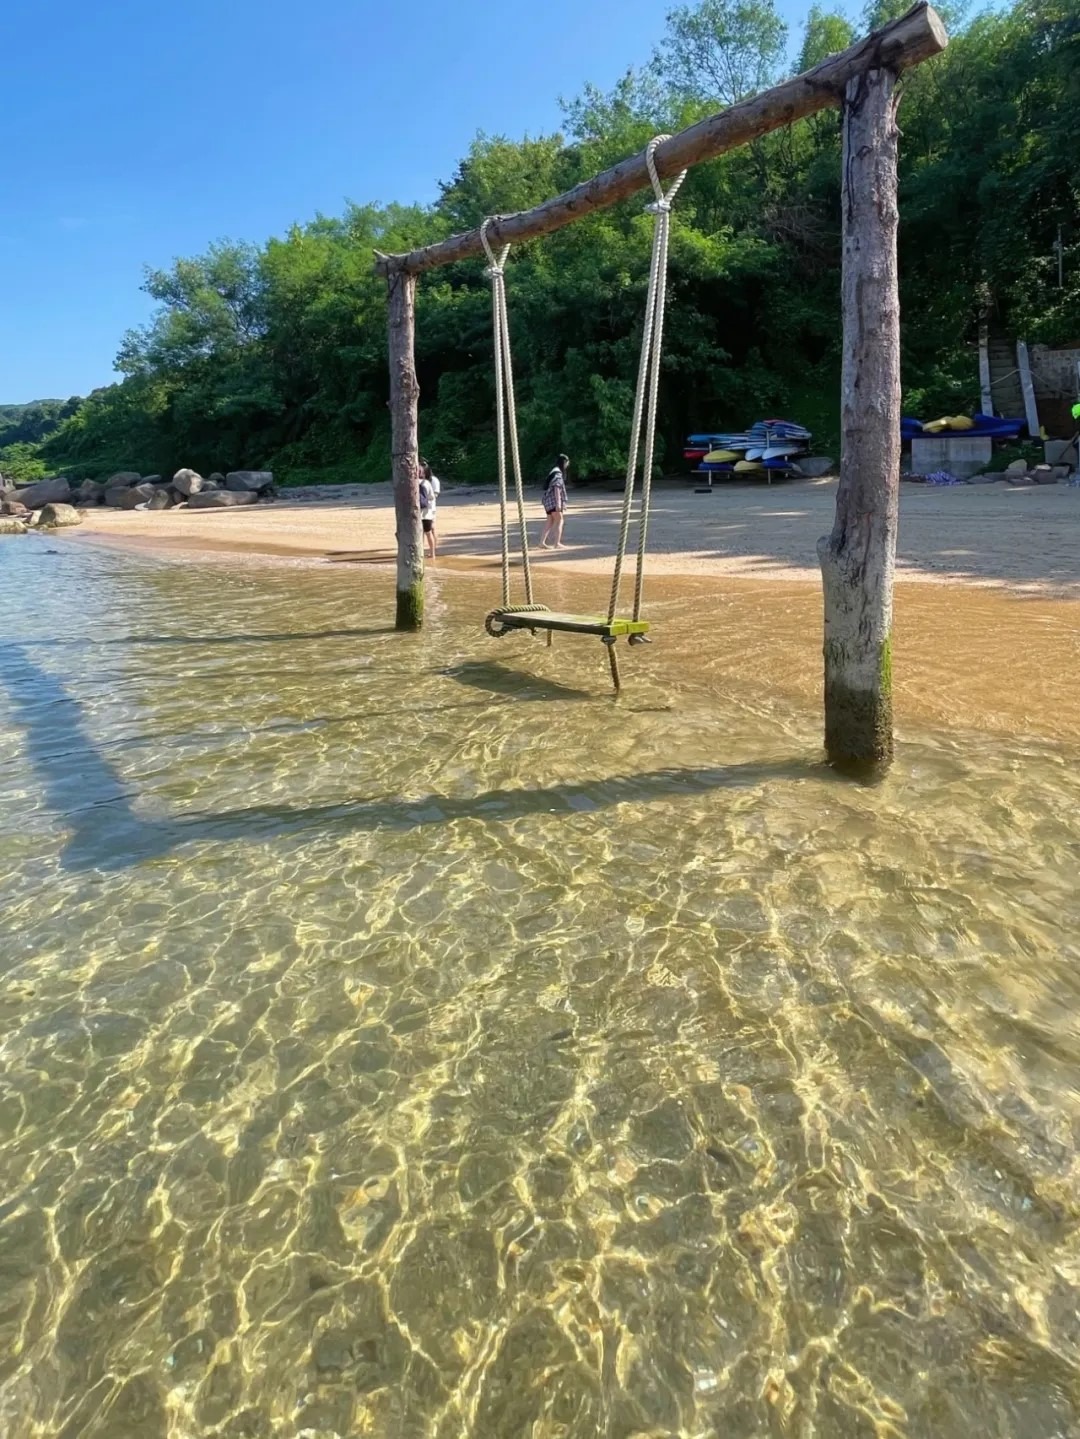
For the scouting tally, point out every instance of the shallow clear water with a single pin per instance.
(398, 1036)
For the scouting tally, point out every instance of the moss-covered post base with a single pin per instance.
(858, 695)
(858, 558)
(404, 399)
(410, 607)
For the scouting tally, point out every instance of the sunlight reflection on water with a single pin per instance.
(400, 1036)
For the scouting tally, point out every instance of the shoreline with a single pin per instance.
(990, 649)
(1021, 541)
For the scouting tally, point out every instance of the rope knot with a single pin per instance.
(662, 204)
(495, 266)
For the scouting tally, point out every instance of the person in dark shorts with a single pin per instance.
(555, 505)
(430, 488)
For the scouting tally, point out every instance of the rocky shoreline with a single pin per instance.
(56, 502)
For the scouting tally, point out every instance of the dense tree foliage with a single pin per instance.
(23, 427)
(274, 355)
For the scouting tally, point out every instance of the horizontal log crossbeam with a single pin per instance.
(907, 41)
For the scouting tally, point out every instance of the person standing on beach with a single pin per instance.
(555, 504)
(430, 489)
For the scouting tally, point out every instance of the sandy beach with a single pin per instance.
(1023, 540)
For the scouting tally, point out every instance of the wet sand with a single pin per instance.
(1024, 540)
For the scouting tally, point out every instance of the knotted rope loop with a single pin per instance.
(496, 265)
(662, 204)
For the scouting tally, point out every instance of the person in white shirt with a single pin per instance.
(430, 489)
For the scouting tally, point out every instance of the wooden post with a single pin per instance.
(986, 391)
(404, 394)
(1031, 409)
(858, 559)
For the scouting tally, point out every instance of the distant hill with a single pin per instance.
(29, 424)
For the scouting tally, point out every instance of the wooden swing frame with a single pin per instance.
(858, 558)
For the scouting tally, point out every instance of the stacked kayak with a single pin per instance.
(767, 447)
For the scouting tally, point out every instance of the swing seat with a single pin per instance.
(500, 622)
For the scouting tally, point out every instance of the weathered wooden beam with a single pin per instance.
(858, 559)
(986, 389)
(1031, 408)
(404, 397)
(914, 37)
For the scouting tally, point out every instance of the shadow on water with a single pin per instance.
(499, 679)
(88, 794)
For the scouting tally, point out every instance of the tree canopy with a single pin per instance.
(274, 354)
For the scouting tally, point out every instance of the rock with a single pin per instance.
(220, 499)
(90, 492)
(217, 477)
(121, 479)
(1018, 467)
(1020, 480)
(814, 466)
(14, 508)
(188, 482)
(58, 517)
(6, 485)
(128, 499)
(1062, 472)
(154, 480)
(255, 480)
(160, 500)
(984, 479)
(56, 491)
(9, 525)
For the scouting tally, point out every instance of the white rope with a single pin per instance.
(643, 425)
(506, 415)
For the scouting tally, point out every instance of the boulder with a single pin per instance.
(122, 478)
(188, 482)
(984, 479)
(1021, 479)
(128, 499)
(161, 499)
(14, 508)
(1044, 475)
(1018, 467)
(254, 480)
(9, 525)
(220, 499)
(58, 517)
(55, 491)
(814, 466)
(6, 485)
(154, 480)
(90, 492)
(217, 477)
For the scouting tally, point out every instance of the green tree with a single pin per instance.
(721, 50)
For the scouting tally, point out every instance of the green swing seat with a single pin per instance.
(538, 617)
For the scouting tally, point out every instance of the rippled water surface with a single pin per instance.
(399, 1037)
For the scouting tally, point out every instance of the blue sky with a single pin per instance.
(137, 132)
